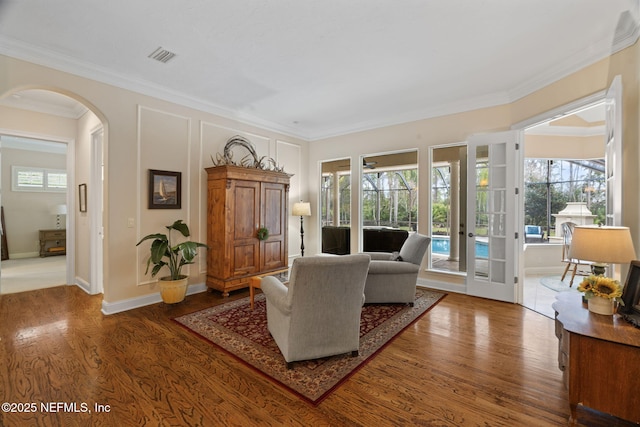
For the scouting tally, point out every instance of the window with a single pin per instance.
(390, 199)
(551, 184)
(329, 198)
(26, 178)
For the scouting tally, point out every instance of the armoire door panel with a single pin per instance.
(273, 208)
(273, 215)
(245, 259)
(272, 252)
(216, 226)
(246, 209)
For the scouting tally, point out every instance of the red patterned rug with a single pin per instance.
(243, 333)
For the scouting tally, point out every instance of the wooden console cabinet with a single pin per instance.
(600, 359)
(53, 242)
(241, 200)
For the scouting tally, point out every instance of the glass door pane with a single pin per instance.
(491, 244)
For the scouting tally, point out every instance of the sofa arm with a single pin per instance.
(392, 267)
(276, 294)
(382, 256)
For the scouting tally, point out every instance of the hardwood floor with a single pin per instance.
(467, 362)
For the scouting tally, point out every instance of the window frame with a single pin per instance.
(45, 187)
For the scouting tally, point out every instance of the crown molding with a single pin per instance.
(43, 107)
(27, 52)
(626, 35)
(456, 107)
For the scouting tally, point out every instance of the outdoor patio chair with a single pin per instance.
(567, 234)
(533, 234)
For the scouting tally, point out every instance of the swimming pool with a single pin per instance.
(440, 245)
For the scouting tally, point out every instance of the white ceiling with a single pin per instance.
(588, 121)
(320, 68)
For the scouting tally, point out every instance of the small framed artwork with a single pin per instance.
(82, 197)
(165, 189)
(630, 311)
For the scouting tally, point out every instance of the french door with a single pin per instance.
(491, 215)
(613, 147)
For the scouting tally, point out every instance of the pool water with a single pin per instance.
(440, 245)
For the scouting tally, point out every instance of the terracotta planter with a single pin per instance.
(173, 291)
(600, 305)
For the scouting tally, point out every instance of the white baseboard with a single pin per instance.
(137, 302)
(24, 255)
(82, 284)
(442, 286)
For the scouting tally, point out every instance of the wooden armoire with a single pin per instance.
(239, 201)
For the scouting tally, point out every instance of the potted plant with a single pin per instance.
(601, 292)
(173, 288)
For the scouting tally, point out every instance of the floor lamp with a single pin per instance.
(301, 209)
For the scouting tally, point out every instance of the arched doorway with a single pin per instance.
(63, 117)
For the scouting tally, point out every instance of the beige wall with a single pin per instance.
(27, 212)
(86, 125)
(564, 147)
(34, 125)
(457, 128)
(418, 135)
(143, 132)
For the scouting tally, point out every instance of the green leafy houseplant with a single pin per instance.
(176, 256)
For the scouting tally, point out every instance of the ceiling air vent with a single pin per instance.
(162, 55)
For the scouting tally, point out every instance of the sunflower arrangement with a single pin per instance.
(600, 286)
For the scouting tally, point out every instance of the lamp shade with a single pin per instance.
(607, 245)
(301, 209)
(59, 210)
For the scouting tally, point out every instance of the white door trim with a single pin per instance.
(96, 205)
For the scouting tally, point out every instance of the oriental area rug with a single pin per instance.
(243, 333)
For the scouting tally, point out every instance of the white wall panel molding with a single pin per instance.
(163, 143)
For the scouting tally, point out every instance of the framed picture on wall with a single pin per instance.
(82, 197)
(165, 189)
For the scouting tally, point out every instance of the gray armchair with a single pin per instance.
(392, 278)
(318, 314)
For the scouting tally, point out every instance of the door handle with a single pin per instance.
(470, 234)
(461, 233)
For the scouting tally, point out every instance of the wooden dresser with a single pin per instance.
(600, 359)
(53, 242)
(239, 201)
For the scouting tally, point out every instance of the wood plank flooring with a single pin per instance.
(468, 362)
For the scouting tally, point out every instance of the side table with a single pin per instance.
(53, 242)
(599, 358)
(255, 281)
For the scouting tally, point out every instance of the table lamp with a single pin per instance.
(301, 209)
(602, 246)
(57, 211)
